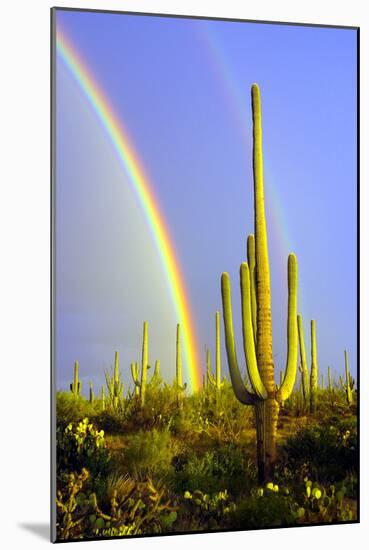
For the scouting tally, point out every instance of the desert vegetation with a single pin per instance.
(251, 451)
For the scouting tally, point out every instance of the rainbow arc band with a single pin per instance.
(141, 184)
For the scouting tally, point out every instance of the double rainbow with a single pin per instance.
(141, 184)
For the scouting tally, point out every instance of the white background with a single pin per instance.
(24, 267)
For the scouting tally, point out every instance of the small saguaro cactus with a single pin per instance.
(216, 380)
(204, 382)
(265, 396)
(102, 398)
(179, 385)
(139, 377)
(303, 363)
(155, 379)
(76, 386)
(140, 380)
(349, 386)
(322, 386)
(144, 363)
(92, 395)
(115, 385)
(313, 369)
(330, 385)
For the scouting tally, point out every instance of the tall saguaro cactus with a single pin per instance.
(76, 386)
(265, 396)
(303, 362)
(313, 369)
(216, 380)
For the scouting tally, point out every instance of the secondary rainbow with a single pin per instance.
(140, 181)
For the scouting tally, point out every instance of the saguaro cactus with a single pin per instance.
(140, 377)
(313, 369)
(349, 381)
(156, 375)
(115, 385)
(330, 385)
(265, 397)
(102, 398)
(92, 395)
(204, 382)
(180, 386)
(140, 384)
(303, 363)
(216, 380)
(76, 386)
(144, 363)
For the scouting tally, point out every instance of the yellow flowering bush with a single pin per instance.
(81, 444)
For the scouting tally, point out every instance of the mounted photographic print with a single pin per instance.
(204, 275)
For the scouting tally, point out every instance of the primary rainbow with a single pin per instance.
(133, 166)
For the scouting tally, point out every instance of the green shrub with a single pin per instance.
(149, 452)
(69, 409)
(223, 419)
(224, 467)
(111, 421)
(327, 452)
(265, 508)
(158, 412)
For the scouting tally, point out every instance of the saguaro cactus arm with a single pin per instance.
(241, 392)
(251, 262)
(135, 374)
(290, 376)
(303, 368)
(247, 333)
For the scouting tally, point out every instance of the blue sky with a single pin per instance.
(182, 88)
